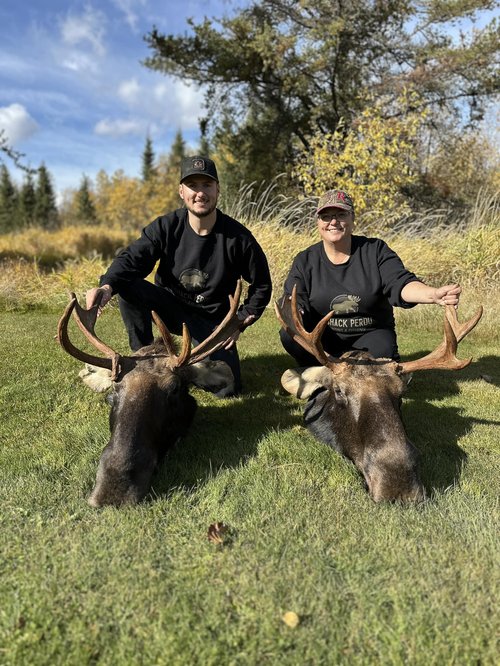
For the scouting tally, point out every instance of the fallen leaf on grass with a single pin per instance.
(291, 619)
(217, 532)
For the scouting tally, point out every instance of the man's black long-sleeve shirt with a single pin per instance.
(201, 271)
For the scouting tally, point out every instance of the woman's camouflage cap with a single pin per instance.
(335, 199)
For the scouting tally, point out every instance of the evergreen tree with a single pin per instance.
(27, 201)
(148, 158)
(46, 214)
(178, 150)
(85, 208)
(8, 201)
(204, 146)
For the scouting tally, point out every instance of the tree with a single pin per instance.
(85, 209)
(177, 150)
(148, 159)
(374, 160)
(27, 201)
(8, 201)
(280, 71)
(45, 201)
(6, 150)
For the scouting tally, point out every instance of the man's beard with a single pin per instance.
(205, 213)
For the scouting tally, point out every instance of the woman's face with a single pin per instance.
(335, 224)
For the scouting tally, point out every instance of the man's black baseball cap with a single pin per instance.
(198, 165)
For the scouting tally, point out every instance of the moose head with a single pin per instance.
(151, 407)
(354, 402)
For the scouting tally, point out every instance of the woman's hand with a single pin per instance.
(448, 295)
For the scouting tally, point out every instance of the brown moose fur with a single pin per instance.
(357, 411)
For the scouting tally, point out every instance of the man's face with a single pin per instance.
(200, 194)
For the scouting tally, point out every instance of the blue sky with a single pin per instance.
(73, 93)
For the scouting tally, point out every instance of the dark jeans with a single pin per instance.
(380, 343)
(136, 303)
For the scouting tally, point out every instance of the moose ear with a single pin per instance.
(213, 376)
(302, 382)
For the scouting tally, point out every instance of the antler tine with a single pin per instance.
(86, 321)
(444, 356)
(461, 330)
(110, 363)
(175, 360)
(219, 335)
(289, 317)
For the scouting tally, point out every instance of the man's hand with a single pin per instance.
(231, 341)
(98, 295)
(448, 295)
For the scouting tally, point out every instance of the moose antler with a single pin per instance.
(444, 356)
(113, 361)
(86, 321)
(215, 340)
(291, 320)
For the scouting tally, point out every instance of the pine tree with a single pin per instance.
(148, 158)
(85, 208)
(8, 201)
(177, 151)
(27, 201)
(204, 146)
(46, 214)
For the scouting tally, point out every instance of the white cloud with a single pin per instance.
(87, 28)
(179, 103)
(79, 62)
(16, 123)
(127, 7)
(129, 91)
(119, 127)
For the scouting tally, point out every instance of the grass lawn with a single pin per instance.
(371, 584)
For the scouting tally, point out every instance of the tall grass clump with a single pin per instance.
(49, 248)
(263, 203)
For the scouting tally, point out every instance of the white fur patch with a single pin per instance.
(214, 376)
(303, 382)
(98, 379)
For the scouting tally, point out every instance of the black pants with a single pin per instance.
(381, 343)
(136, 302)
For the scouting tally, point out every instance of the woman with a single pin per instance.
(360, 279)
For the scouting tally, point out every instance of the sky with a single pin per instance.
(73, 92)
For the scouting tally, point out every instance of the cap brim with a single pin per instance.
(198, 173)
(342, 206)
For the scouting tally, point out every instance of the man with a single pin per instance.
(202, 253)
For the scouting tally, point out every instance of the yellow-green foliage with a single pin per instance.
(125, 202)
(131, 203)
(373, 160)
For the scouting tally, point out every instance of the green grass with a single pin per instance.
(385, 584)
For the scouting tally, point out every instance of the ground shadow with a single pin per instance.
(226, 437)
(436, 429)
